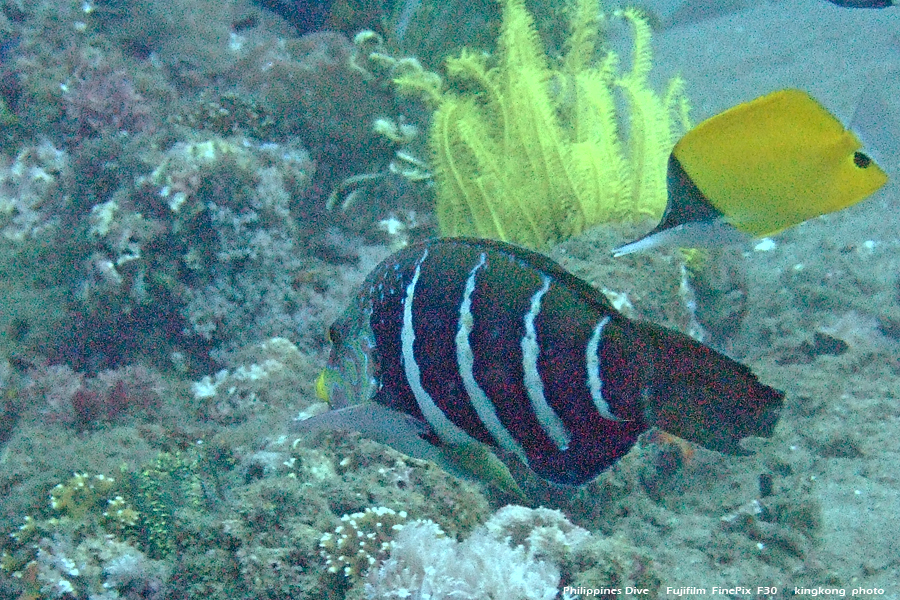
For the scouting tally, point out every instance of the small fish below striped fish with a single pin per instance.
(457, 350)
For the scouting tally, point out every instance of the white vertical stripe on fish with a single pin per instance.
(465, 360)
(442, 426)
(548, 419)
(595, 378)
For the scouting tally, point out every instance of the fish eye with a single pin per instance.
(861, 160)
(332, 335)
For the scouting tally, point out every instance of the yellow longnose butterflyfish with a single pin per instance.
(759, 168)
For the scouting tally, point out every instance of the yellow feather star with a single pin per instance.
(535, 155)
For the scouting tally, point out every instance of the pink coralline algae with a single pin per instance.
(73, 399)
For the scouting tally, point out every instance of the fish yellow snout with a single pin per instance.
(322, 387)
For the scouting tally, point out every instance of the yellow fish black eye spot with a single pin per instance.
(861, 160)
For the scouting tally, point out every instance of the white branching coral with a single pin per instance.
(99, 568)
(361, 540)
(546, 534)
(425, 564)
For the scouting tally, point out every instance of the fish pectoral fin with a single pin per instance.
(481, 463)
(404, 434)
(392, 428)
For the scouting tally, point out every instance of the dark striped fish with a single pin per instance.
(864, 3)
(463, 344)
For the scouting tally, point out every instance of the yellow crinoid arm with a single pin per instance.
(534, 154)
(655, 123)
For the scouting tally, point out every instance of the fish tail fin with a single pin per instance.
(703, 396)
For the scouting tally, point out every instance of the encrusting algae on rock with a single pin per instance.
(536, 152)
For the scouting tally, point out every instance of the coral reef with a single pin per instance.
(193, 40)
(266, 378)
(425, 563)
(88, 546)
(233, 509)
(100, 96)
(70, 398)
(361, 540)
(32, 197)
(99, 568)
(333, 94)
(431, 31)
(518, 554)
(230, 114)
(313, 87)
(190, 192)
(28, 186)
(535, 153)
(113, 132)
(170, 485)
(171, 253)
(147, 219)
(336, 15)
